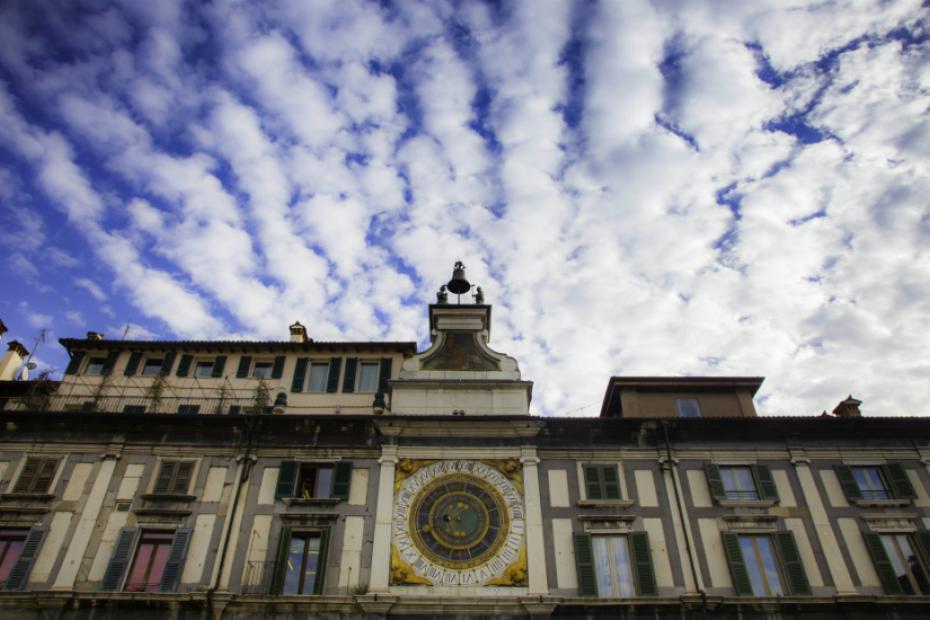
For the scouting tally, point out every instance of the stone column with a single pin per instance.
(535, 545)
(381, 549)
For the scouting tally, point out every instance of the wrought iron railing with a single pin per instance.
(258, 577)
(742, 495)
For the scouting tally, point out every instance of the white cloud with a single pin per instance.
(91, 288)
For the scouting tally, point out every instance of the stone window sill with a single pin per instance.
(605, 503)
(746, 503)
(31, 497)
(882, 503)
(312, 501)
(168, 497)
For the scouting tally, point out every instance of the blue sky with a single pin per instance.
(640, 188)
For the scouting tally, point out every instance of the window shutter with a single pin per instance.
(715, 482)
(165, 474)
(765, 484)
(235, 409)
(342, 478)
(219, 365)
(172, 572)
(45, 475)
(184, 366)
(738, 572)
(791, 562)
(584, 564)
(848, 482)
(923, 545)
(348, 382)
(280, 565)
(642, 560)
(245, 362)
(167, 364)
(135, 358)
(182, 479)
(300, 372)
(321, 562)
(592, 481)
(611, 482)
(110, 362)
(20, 570)
(75, 364)
(30, 470)
(886, 572)
(899, 483)
(332, 381)
(287, 480)
(122, 551)
(277, 371)
(385, 375)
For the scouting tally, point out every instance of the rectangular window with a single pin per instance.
(152, 366)
(150, 561)
(134, 409)
(368, 376)
(765, 565)
(761, 565)
(870, 482)
(688, 408)
(148, 565)
(188, 409)
(906, 563)
(262, 369)
(741, 483)
(612, 565)
(204, 368)
(875, 482)
(303, 567)
(12, 541)
(95, 366)
(36, 476)
(601, 481)
(315, 481)
(319, 377)
(174, 477)
(738, 483)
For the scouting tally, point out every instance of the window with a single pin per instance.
(157, 557)
(262, 369)
(875, 482)
(314, 480)
(188, 409)
(741, 483)
(765, 565)
(901, 561)
(614, 566)
(318, 378)
(601, 481)
(688, 408)
(174, 477)
(204, 368)
(148, 566)
(95, 366)
(11, 545)
(152, 366)
(36, 476)
(134, 409)
(368, 376)
(18, 550)
(301, 562)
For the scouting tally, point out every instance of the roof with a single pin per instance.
(692, 384)
(405, 347)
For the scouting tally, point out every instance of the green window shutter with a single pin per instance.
(898, 482)
(287, 479)
(642, 562)
(219, 365)
(176, 555)
(321, 563)
(165, 474)
(847, 482)
(791, 563)
(135, 358)
(110, 362)
(342, 478)
(923, 545)
(765, 484)
(385, 375)
(738, 572)
(300, 372)
(584, 564)
(611, 482)
(883, 567)
(75, 364)
(592, 481)
(20, 570)
(280, 565)
(184, 366)
(277, 371)
(167, 364)
(715, 482)
(245, 362)
(348, 382)
(332, 382)
(182, 479)
(119, 561)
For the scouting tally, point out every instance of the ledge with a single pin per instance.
(168, 497)
(605, 503)
(312, 501)
(28, 497)
(882, 503)
(606, 517)
(310, 516)
(162, 512)
(747, 503)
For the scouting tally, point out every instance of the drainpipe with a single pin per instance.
(673, 471)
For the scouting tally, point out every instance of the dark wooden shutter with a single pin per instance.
(348, 382)
(219, 365)
(791, 563)
(245, 362)
(848, 482)
(36, 476)
(611, 482)
(119, 561)
(923, 546)
(715, 482)
(30, 470)
(165, 475)
(287, 479)
(642, 564)
(277, 370)
(184, 366)
(235, 409)
(886, 573)
(182, 478)
(738, 572)
(172, 572)
(592, 481)
(110, 362)
(20, 570)
(765, 484)
(342, 478)
(167, 364)
(332, 381)
(280, 565)
(385, 375)
(898, 482)
(321, 564)
(584, 564)
(75, 364)
(135, 358)
(300, 372)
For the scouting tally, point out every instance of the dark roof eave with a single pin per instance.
(406, 348)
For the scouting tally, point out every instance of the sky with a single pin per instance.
(675, 188)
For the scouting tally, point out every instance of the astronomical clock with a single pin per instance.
(458, 523)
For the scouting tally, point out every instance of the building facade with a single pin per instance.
(312, 479)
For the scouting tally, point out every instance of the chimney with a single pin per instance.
(12, 360)
(298, 332)
(94, 336)
(848, 408)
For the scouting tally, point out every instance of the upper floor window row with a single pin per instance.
(875, 482)
(735, 483)
(366, 376)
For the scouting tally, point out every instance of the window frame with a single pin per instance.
(319, 364)
(290, 476)
(376, 365)
(151, 362)
(93, 361)
(282, 560)
(786, 560)
(894, 477)
(639, 564)
(884, 565)
(203, 362)
(126, 552)
(161, 540)
(689, 401)
(47, 464)
(253, 371)
(174, 471)
(17, 575)
(766, 491)
(739, 494)
(8, 536)
(586, 485)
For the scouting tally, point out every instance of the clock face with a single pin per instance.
(458, 523)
